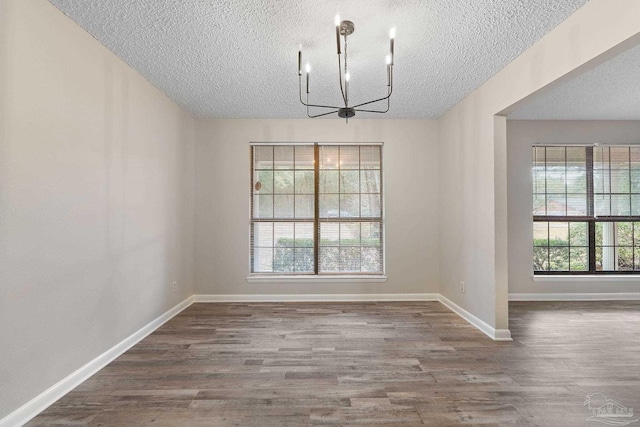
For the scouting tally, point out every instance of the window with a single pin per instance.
(316, 209)
(586, 209)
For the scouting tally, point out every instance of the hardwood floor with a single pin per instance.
(397, 364)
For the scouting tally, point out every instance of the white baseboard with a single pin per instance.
(29, 410)
(490, 331)
(317, 298)
(626, 296)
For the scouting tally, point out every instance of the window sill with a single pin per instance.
(261, 278)
(588, 278)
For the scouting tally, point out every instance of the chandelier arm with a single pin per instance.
(321, 106)
(319, 115)
(372, 111)
(306, 104)
(376, 111)
(344, 97)
(371, 102)
(375, 100)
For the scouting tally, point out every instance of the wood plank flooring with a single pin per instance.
(394, 364)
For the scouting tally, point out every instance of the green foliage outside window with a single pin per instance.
(296, 255)
(558, 254)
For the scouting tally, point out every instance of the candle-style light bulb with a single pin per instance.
(392, 36)
(338, 33)
(388, 60)
(347, 76)
(308, 69)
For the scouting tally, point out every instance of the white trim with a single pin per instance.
(587, 278)
(316, 298)
(490, 331)
(582, 144)
(622, 296)
(313, 143)
(29, 410)
(316, 279)
(272, 143)
(352, 143)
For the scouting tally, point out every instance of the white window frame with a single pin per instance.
(318, 276)
(591, 218)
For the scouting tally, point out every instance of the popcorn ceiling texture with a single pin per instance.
(238, 58)
(608, 92)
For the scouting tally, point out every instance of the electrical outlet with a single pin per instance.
(462, 287)
(175, 285)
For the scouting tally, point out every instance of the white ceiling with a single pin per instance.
(610, 91)
(238, 58)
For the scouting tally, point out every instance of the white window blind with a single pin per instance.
(316, 209)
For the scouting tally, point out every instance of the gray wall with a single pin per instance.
(96, 200)
(411, 185)
(521, 136)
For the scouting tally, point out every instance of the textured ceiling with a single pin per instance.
(238, 58)
(608, 92)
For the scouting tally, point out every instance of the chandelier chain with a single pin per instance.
(346, 95)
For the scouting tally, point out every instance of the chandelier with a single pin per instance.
(345, 29)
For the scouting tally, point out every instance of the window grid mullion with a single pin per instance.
(293, 249)
(591, 219)
(273, 185)
(609, 170)
(569, 240)
(340, 251)
(630, 189)
(360, 200)
(591, 230)
(566, 196)
(316, 208)
(345, 261)
(546, 191)
(273, 203)
(548, 246)
(633, 229)
(251, 183)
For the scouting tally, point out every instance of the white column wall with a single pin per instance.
(474, 206)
